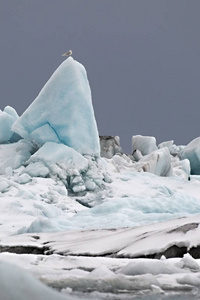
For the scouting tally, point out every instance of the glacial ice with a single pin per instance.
(53, 179)
(181, 168)
(58, 161)
(157, 162)
(167, 144)
(145, 144)
(7, 117)
(63, 112)
(192, 153)
(52, 153)
(110, 145)
(173, 149)
(13, 156)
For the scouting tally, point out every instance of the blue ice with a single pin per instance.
(63, 112)
(7, 118)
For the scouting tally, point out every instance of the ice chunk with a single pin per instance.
(7, 118)
(149, 266)
(181, 168)
(3, 186)
(63, 111)
(60, 161)
(156, 289)
(173, 149)
(145, 144)
(12, 112)
(167, 144)
(9, 171)
(137, 155)
(21, 157)
(110, 145)
(188, 262)
(44, 134)
(90, 185)
(23, 178)
(101, 272)
(36, 169)
(14, 155)
(53, 153)
(192, 152)
(189, 279)
(157, 162)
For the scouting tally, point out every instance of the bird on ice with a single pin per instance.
(68, 53)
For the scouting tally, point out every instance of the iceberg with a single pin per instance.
(63, 112)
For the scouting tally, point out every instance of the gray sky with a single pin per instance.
(142, 59)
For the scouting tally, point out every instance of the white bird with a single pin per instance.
(68, 53)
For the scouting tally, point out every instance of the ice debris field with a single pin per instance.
(81, 219)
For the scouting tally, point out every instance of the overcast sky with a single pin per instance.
(142, 58)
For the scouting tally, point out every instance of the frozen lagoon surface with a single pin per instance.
(90, 227)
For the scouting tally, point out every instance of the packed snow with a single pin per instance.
(85, 218)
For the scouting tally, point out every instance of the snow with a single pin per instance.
(67, 113)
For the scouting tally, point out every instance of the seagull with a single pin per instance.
(68, 53)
